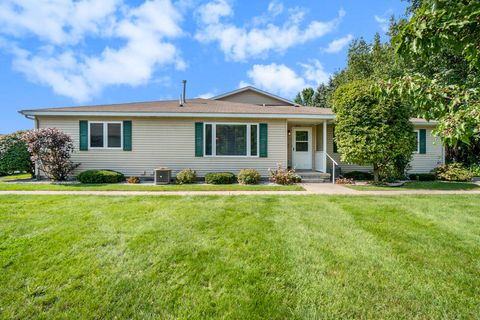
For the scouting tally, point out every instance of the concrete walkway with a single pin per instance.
(310, 189)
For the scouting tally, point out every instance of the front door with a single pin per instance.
(302, 148)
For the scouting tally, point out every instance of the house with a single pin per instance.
(245, 128)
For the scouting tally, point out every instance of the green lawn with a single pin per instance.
(250, 257)
(421, 185)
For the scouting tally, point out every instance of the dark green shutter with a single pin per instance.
(263, 140)
(423, 141)
(127, 135)
(83, 135)
(198, 139)
(334, 141)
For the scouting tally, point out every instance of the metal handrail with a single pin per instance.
(334, 163)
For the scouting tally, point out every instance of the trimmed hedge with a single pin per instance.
(186, 176)
(358, 175)
(248, 176)
(422, 177)
(100, 176)
(220, 178)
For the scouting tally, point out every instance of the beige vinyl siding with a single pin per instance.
(168, 142)
(252, 97)
(434, 156)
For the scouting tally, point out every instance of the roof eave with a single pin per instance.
(179, 114)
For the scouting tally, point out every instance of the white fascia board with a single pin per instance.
(178, 115)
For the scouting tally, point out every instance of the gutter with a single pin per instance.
(30, 113)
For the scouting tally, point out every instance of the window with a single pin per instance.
(301, 141)
(231, 139)
(106, 135)
(417, 139)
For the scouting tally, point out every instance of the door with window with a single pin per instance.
(302, 148)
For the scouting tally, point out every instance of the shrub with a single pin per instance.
(14, 155)
(220, 178)
(186, 176)
(475, 170)
(284, 176)
(453, 172)
(133, 180)
(422, 177)
(344, 181)
(51, 149)
(100, 176)
(358, 175)
(248, 176)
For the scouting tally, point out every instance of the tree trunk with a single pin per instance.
(376, 175)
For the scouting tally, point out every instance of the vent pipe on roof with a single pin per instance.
(184, 82)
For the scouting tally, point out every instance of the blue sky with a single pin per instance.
(62, 52)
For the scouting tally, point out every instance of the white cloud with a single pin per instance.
(338, 44)
(284, 81)
(213, 11)
(242, 43)
(275, 8)
(56, 21)
(383, 20)
(144, 30)
(207, 95)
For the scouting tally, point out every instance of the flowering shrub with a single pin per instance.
(344, 181)
(133, 180)
(186, 176)
(248, 176)
(14, 155)
(284, 176)
(51, 149)
(453, 172)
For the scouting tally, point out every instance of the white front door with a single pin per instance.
(302, 148)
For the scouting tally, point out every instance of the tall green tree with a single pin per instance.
(371, 130)
(305, 98)
(444, 37)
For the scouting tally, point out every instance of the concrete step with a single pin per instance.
(316, 180)
(314, 176)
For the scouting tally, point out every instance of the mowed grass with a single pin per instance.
(240, 257)
(10, 186)
(421, 185)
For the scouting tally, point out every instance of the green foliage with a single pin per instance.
(248, 176)
(186, 176)
(220, 178)
(422, 177)
(442, 43)
(475, 170)
(438, 24)
(100, 176)
(453, 172)
(372, 130)
(14, 154)
(358, 175)
(284, 176)
(305, 98)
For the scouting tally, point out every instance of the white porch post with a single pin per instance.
(324, 146)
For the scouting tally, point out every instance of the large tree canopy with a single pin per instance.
(371, 130)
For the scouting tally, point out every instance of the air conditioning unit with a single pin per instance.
(162, 175)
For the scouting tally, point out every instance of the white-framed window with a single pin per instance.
(231, 140)
(105, 134)
(417, 139)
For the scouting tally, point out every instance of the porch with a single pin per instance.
(311, 148)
